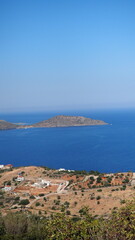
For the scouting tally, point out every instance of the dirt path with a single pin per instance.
(60, 190)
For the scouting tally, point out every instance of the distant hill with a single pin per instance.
(57, 121)
(68, 121)
(7, 125)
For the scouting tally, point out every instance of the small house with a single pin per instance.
(20, 178)
(8, 166)
(61, 169)
(1, 166)
(6, 188)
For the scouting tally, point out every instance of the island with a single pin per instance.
(68, 121)
(57, 121)
(4, 125)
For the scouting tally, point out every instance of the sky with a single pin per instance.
(71, 54)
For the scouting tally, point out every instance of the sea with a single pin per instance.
(108, 148)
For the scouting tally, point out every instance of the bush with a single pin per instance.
(120, 225)
(8, 183)
(122, 201)
(99, 190)
(92, 198)
(41, 194)
(24, 202)
(99, 179)
(57, 202)
(17, 198)
(1, 204)
(37, 204)
(68, 212)
(126, 180)
(92, 179)
(98, 197)
(123, 187)
(53, 208)
(66, 204)
(32, 197)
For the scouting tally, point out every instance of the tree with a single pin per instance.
(24, 202)
(84, 211)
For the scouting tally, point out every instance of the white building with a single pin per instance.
(45, 183)
(61, 169)
(8, 166)
(6, 188)
(1, 166)
(20, 179)
(41, 184)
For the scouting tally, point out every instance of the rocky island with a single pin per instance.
(68, 121)
(57, 121)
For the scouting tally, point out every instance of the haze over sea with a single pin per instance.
(109, 148)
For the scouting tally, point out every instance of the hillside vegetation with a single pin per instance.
(20, 226)
(47, 191)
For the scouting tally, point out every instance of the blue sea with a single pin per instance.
(109, 148)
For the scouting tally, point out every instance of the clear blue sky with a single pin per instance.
(66, 54)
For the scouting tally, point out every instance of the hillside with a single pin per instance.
(55, 191)
(68, 121)
(7, 125)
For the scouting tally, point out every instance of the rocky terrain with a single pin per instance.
(7, 125)
(68, 121)
(47, 191)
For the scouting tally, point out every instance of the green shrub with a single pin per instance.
(32, 197)
(98, 197)
(24, 202)
(37, 204)
(41, 194)
(119, 225)
(99, 190)
(68, 212)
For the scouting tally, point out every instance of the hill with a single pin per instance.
(54, 191)
(57, 121)
(7, 125)
(68, 121)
